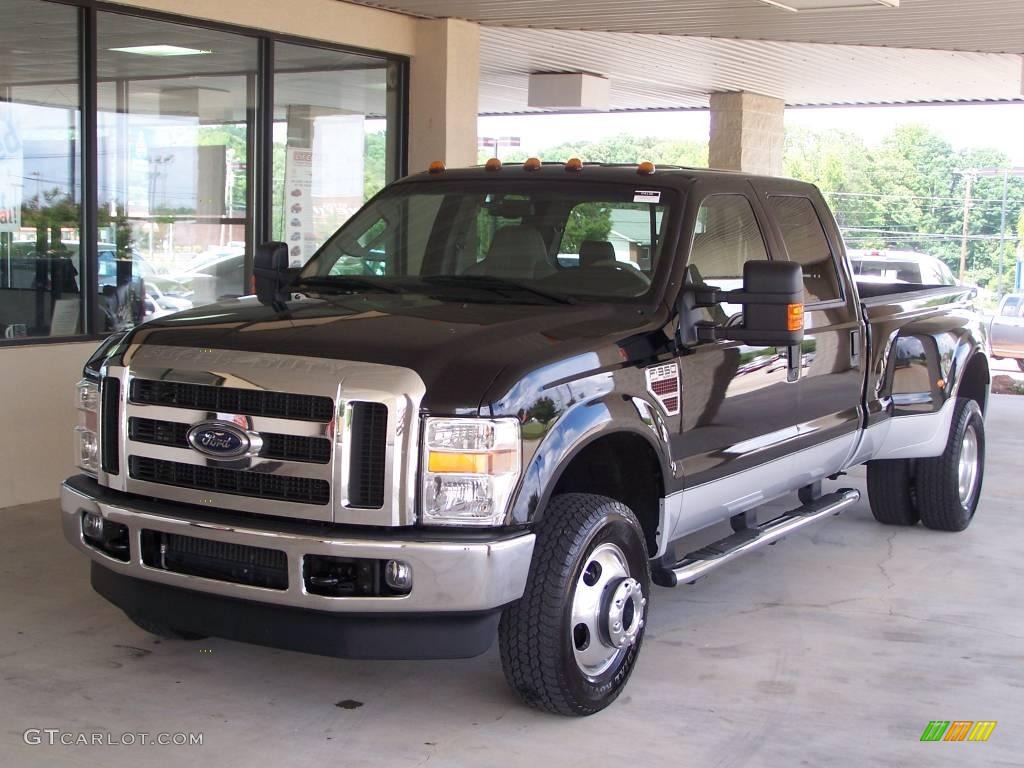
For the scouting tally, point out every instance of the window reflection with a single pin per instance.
(173, 146)
(331, 140)
(40, 185)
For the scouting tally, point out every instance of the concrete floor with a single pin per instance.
(833, 649)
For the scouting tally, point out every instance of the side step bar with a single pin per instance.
(698, 564)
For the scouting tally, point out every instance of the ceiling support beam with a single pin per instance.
(747, 132)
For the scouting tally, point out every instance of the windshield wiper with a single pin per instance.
(486, 282)
(345, 283)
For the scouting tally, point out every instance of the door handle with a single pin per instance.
(855, 349)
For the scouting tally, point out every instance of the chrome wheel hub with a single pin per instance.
(625, 613)
(967, 471)
(607, 610)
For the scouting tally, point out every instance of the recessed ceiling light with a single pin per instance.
(828, 5)
(161, 50)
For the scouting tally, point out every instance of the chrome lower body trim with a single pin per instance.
(449, 576)
(921, 436)
(692, 509)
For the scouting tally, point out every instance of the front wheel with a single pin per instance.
(570, 644)
(949, 486)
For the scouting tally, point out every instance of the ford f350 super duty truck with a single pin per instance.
(501, 401)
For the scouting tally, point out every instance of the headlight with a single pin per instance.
(87, 452)
(470, 470)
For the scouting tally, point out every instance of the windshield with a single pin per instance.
(514, 241)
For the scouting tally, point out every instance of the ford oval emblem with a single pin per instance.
(219, 440)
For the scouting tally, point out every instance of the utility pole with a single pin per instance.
(1002, 230)
(970, 175)
(968, 189)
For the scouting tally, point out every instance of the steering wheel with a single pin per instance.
(640, 280)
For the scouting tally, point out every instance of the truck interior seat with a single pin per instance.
(517, 252)
(596, 251)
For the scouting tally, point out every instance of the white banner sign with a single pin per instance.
(11, 171)
(298, 205)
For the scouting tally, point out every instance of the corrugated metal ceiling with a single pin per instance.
(993, 26)
(662, 72)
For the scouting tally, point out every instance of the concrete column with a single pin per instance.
(444, 94)
(747, 133)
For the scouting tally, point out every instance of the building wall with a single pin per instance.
(328, 20)
(38, 416)
(36, 385)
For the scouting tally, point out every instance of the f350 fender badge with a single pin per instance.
(663, 384)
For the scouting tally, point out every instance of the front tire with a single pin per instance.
(949, 486)
(570, 644)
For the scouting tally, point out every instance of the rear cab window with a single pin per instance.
(1012, 306)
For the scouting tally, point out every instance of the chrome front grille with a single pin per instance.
(245, 402)
(237, 482)
(315, 450)
(329, 438)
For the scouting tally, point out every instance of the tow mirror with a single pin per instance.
(270, 272)
(773, 306)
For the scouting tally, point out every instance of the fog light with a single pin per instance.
(92, 526)
(398, 575)
(87, 451)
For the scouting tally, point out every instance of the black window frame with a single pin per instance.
(259, 213)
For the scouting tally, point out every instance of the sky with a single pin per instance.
(1000, 126)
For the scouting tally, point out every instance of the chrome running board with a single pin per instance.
(699, 563)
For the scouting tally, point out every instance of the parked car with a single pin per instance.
(901, 267)
(1006, 330)
(481, 441)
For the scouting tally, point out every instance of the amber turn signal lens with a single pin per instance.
(436, 167)
(494, 164)
(493, 463)
(646, 169)
(575, 165)
(796, 317)
(532, 164)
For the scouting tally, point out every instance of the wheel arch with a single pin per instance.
(975, 382)
(594, 451)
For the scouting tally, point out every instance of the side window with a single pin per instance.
(726, 237)
(807, 246)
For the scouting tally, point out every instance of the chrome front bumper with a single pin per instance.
(453, 574)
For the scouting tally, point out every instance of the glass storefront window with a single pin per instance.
(174, 131)
(334, 125)
(40, 172)
(178, 158)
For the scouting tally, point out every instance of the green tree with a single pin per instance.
(587, 221)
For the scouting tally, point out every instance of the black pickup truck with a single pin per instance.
(502, 401)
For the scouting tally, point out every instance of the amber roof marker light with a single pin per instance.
(494, 164)
(435, 167)
(574, 165)
(532, 164)
(646, 168)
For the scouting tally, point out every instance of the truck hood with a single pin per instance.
(462, 351)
